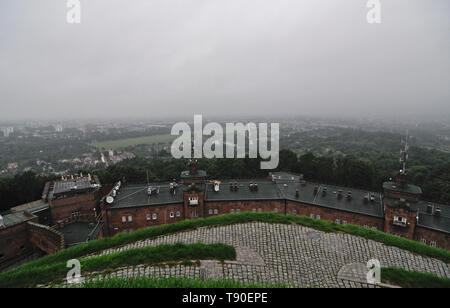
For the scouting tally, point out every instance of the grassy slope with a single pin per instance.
(32, 276)
(173, 282)
(153, 232)
(409, 279)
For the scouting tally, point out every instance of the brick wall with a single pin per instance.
(338, 216)
(142, 217)
(85, 204)
(45, 238)
(14, 241)
(403, 231)
(227, 207)
(428, 236)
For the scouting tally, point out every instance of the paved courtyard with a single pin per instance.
(287, 254)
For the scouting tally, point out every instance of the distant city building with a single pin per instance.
(7, 131)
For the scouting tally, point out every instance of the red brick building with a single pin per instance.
(398, 210)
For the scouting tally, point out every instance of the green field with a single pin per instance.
(127, 142)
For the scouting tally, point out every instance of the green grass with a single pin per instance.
(172, 282)
(408, 279)
(153, 232)
(160, 254)
(127, 142)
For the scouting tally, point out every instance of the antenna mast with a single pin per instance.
(404, 154)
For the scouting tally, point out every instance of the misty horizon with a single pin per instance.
(173, 59)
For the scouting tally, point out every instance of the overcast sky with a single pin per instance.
(157, 58)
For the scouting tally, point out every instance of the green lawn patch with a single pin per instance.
(127, 142)
(229, 219)
(408, 279)
(31, 276)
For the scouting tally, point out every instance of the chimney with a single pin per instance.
(437, 212)
(349, 195)
(316, 189)
(339, 194)
(296, 193)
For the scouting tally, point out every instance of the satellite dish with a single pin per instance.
(114, 193)
(109, 199)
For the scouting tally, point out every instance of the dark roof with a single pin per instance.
(266, 191)
(355, 205)
(13, 219)
(285, 176)
(71, 185)
(439, 223)
(411, 189)
(428, 220)
(186, 174)
(137, 195)
(31, 207)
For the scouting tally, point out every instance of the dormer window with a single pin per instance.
(193, 200)
(400, 221)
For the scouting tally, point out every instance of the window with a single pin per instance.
(124, 218)
(260, 210)
(154, 216)
(254, 210)
(318, 217)
(275, 210)
(178, 214)
(210, 211)
(366, 226)
(216, 211)
(130, 218)
(433, 243)
(171, 215)
(238, 210)
(344, 222)
(232, 211)
(311, 215)
(294, 212)
(375, 228)
(337, 221)
(131, 229)
(424, 241)
(148, 216)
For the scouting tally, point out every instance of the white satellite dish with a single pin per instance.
(114, 193)
(109, 199)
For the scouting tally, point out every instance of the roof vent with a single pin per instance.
(339, 194)
(366, 198)
(372, 197)
(324, 191)
(429, 208)
(2, 224)
(349, 195)
(216, 186)
(296, 193)
(437, 211)
(316, 189)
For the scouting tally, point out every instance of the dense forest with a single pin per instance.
(430, 169)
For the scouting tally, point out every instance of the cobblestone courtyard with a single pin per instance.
(287, 254)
